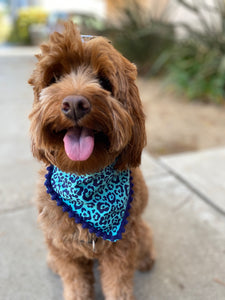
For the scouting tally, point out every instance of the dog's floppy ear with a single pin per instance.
(129, 94)
(39, 146)
(40, 154)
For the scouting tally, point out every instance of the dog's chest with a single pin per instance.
(79, 240)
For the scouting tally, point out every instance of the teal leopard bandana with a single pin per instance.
(99, 201)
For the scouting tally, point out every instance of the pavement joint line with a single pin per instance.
(190, 186)
(16, 209)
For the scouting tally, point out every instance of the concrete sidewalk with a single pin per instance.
(186, 212)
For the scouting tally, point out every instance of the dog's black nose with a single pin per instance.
(75, 107)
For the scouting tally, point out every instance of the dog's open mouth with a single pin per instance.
(79, 143)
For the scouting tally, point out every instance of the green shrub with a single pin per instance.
(141, 38)
(197, 64)
(198, 72)
(26, 17)
(4, 26)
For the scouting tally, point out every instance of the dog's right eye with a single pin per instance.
(105, 83)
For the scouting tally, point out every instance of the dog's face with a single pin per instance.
(86, 110)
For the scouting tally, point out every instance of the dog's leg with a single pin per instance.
(117, 269)
(76, 274)
(146, 252)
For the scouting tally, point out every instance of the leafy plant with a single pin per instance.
(197, 64)
(198, 72)
(4, 25)
(26, 17)
(141, 38)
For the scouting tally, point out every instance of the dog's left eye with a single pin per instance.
(105, 83)
(53, 79)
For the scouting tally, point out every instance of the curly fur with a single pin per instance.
(66, 66)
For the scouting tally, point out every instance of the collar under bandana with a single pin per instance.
(99, 201)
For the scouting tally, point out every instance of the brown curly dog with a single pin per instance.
(87, 126)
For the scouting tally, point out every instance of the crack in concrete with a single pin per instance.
(190, 186)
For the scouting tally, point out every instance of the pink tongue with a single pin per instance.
(79, 143)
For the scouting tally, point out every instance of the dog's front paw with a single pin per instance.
(146, 251)
(146, 263)
(71, 294)
(122, 297)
